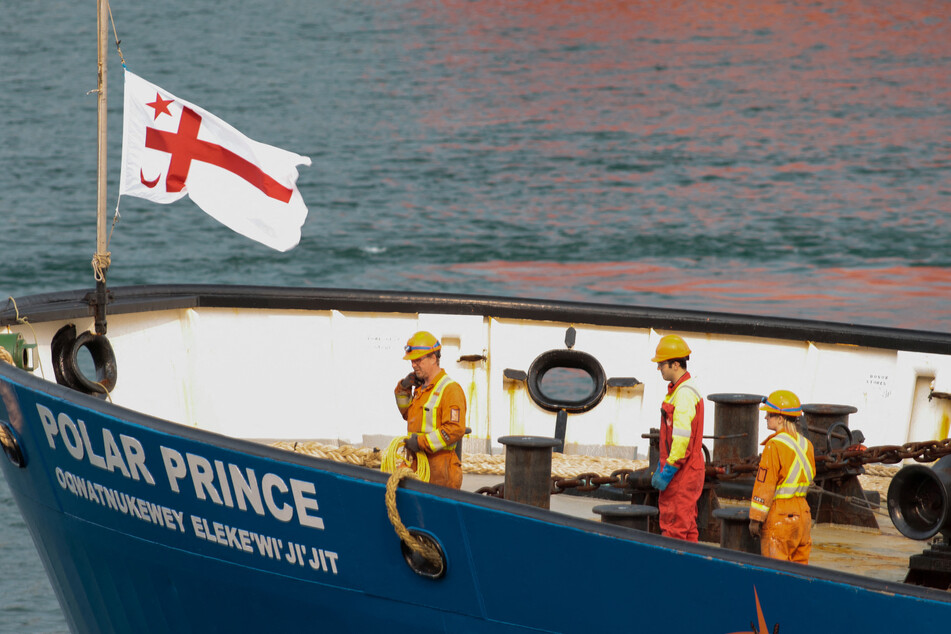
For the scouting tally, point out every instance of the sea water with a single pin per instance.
(772, 157)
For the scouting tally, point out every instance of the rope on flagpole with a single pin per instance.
(98, 271)
(116, 34)
(100, 264)
(115, 221)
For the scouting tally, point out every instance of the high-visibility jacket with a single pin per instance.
(787, 468)
(437, 414)
(681, 424)
(681, 445)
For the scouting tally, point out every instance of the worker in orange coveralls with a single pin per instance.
(434, 407)
(680, 471)
(779, 514)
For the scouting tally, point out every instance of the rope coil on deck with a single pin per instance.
(359, 456)
(562, 466)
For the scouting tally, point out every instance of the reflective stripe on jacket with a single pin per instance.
(802, 471)
(437, 441)
(437, 412)
(786, 470)
(681, 424)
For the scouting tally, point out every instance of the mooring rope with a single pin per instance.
(562, 465)
(360, 456)
(425, 549)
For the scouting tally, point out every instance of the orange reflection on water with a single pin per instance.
(906, 297)
(726, 87)
(737, 120)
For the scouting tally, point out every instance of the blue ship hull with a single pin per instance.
(148, 526)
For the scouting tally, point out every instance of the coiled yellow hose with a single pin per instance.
(395, 455)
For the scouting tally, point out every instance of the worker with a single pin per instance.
(779, 514)
(434, 408)
(680, 471)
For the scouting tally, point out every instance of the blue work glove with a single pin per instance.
(663, 476)
(412, 443)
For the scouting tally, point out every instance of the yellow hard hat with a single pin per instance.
(671, 347)
(421, 344)
(782, 402)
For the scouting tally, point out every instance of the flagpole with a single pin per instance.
(100, 262)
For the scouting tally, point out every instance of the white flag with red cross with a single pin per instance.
(171, 147)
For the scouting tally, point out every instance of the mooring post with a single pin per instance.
(735, 426)
(528, 469)
(827, 427)
(636, 516)
(824, 422)
(735, 436)
(735, 530)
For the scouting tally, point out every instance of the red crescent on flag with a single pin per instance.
(150, 184)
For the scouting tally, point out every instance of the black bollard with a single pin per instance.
(528, 469)
(636, 516)
(735, 530)
(820, 419)
(653, 448)
(828, 424)
(735, 426)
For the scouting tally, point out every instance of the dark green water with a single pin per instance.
(766, 157)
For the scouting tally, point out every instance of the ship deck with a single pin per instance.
(880, 554)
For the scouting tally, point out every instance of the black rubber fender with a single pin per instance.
(104, 360)
(65, 348)
(61, 348)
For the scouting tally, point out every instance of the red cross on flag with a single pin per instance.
(171, 147)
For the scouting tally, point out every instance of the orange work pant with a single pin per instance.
(445, 469)
(787, 531)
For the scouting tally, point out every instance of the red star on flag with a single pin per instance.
(160, 106)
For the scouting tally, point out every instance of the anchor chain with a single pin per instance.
(582, 482)
(836, 460)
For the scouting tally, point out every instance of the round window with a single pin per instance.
(566, 379)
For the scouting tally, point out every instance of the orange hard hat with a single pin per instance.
(671, 347)
(421, 344)
(782, 402)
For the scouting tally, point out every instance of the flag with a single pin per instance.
(171, 148)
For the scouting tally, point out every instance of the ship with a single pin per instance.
(167, 507)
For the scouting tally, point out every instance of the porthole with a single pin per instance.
(418, 563)
(568, 380)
